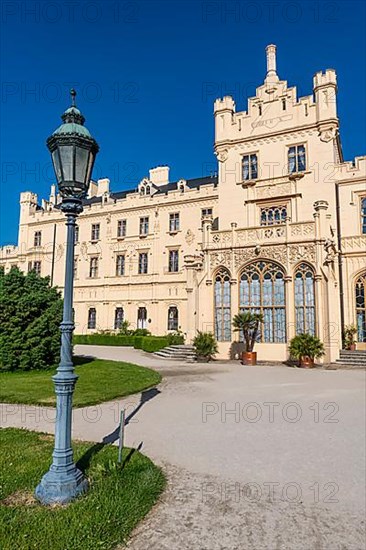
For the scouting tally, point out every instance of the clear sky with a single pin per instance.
(147, 73)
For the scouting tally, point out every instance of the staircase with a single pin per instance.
(181, 353)
(355, 359)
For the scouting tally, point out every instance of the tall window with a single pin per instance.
(93, 267)
(296, 159)
(304, 300)
(120, 265)
(95, 231)
(361, 307)
(363, 215)
(37, 238)
(250, 167)
(37, 267)
(271, 215)
(118, 317)
(173, 261)
(144, 225)
(121, 228)
(143, 263)
(92, 317)
(262, 290)
(173, 318)
(142, 317)
(174, 222)
(222, 306)
(76, 234)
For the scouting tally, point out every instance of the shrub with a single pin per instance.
(205, 345)
(306, 345)
(141, 332)
(30, 315)
(153, 343)
(175, 338)
(125, 328)
(145, 343)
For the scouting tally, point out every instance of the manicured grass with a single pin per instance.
(118, 498)
(99, 381)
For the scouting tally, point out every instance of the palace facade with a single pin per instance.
(280, 230)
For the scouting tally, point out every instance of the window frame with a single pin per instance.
(273, 206)
(144, 226)
(362, 211)
(173, 322)
(120, 269)
(222, 311)
(121, 228)
(173, 263)
(94, 269)
(250, 155)
(118, 320)
(92, 318)
(174, 222)
(37, 240)
(296, 156)
(304, 267)
(143, 267)
(95, 232)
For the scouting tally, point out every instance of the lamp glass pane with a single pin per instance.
(90, 168)
(56, 165)
(81, 164)
(66, 154)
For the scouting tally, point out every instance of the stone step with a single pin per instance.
(177, 352)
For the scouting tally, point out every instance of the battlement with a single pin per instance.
(227, 103)
(27, 197)
(327, 78)
(356, 168)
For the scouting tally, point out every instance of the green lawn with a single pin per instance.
(116, 501)
(99, 381)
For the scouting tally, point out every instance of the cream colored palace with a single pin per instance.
(280, 230)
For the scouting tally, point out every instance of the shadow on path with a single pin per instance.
(84, 461)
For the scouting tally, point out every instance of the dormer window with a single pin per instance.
(148, 190)
(296, 159)
(250, 167)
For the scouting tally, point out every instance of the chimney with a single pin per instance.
(159, 175)
(103, 186)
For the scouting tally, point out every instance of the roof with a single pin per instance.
(194, 183)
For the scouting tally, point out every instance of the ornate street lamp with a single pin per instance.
(73, 153)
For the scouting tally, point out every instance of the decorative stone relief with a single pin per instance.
(272, 191)
(298, 252)
(189, 238)
(221, 258)
(222, 156)
(330, 251)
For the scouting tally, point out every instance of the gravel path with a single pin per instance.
(257, 458)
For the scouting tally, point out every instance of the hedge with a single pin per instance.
(145, 343)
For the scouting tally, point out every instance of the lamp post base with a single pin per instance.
(61, 488)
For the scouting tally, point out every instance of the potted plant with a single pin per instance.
(205, 346)
(306, 348)
(349, 337)
(248, 323)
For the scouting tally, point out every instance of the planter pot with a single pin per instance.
(203, 359)
(249, 357)
(306, 362)
(352, 347)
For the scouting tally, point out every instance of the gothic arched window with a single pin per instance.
(360, 290)
(222, 306)
(304, 299)
(173, 318)
(262, 290)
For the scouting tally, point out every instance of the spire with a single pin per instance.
(271, 63)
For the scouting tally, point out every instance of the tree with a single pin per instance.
(30, 315)
(248, 323)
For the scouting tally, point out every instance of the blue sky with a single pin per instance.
(147, 73)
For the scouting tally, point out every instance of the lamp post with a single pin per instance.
(73, 152)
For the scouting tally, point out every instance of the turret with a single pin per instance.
(224, 110)
(325, 91)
